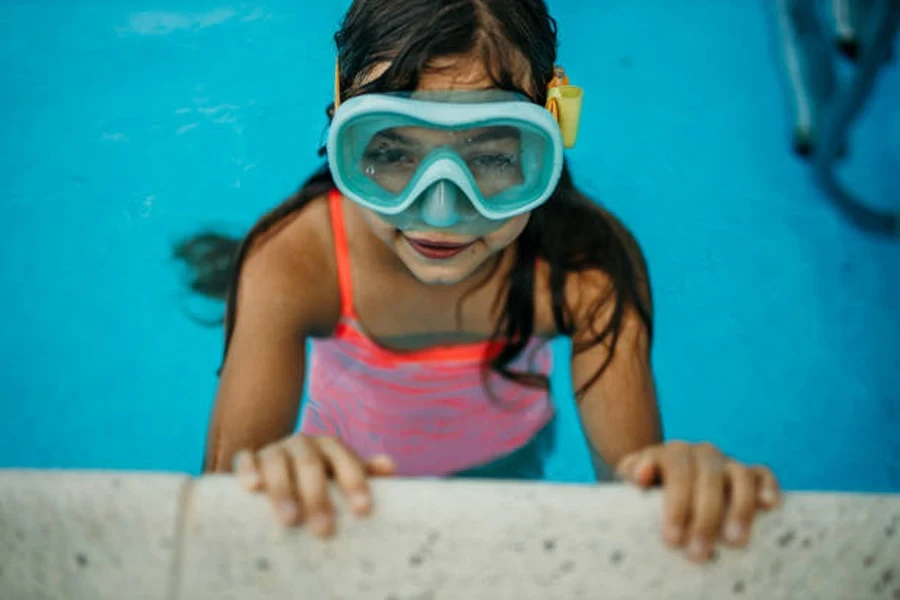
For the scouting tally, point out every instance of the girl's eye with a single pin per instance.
(497, 161)
(389, 156)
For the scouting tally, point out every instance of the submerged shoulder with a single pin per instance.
(299, 236)
(581, 294)
(290, 268)
(593, 278)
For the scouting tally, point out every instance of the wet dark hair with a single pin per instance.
(517, 41)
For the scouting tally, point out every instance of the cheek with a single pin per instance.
(508, 233)
(380, 227)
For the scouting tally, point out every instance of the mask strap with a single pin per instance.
(337, 84)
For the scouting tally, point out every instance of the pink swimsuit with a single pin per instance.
(427, 409)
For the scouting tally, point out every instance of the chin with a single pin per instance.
(439, 274)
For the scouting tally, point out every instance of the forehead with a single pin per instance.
(463, 72)
(455, 73)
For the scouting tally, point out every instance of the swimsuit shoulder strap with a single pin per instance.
(341, 252)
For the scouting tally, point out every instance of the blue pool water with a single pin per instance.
(129, 123)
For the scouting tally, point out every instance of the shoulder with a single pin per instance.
(584, 296)
(290, 270)
(595, 287)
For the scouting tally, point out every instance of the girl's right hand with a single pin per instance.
(294, 473)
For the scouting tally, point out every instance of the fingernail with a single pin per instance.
(319, 523)
(734, 532)
(359, 501)
(697, 548)
(383, 460)
(768, 496)
(288, 511)
(672, 533)
(248, 478)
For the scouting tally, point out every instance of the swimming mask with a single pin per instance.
(491, 150)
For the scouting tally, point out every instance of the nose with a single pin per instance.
(441, 205)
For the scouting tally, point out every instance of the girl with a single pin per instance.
(429, 263)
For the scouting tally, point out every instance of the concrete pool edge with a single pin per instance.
(101, 534)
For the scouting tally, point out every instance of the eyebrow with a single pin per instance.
(392, 136)
(500, 132)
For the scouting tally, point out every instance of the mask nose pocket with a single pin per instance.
(441, 204)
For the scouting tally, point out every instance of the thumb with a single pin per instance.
(639, 468)
(381, 465)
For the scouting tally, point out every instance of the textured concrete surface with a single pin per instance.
(92, 535)
(106, 535)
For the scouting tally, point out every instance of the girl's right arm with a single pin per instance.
(288, 291)
(261, 381)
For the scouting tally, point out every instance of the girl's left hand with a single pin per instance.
(706, 495)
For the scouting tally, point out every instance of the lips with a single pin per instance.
(437, 250)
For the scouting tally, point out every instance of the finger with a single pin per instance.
(349, 473)
(642, 468)
(275, 469)
(625, 468)
(742, 499)
(246, 471)
(310, 471)
(677, 474)
(381, 465)
(647, 470)
(708, 501)
(769, 493)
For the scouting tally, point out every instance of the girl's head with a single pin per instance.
(451, 47)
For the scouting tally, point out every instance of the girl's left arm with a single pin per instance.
(706, 495)
(619, 411)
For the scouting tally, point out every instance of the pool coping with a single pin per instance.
(103, 534)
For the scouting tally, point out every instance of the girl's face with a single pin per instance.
(446, 255)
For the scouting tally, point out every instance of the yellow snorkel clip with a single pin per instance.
(564, 103)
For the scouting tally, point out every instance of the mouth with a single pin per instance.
(437, 249)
